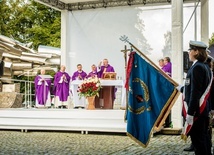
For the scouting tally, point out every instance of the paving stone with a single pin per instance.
(71, 143)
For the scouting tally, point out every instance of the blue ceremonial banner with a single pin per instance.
(150, 95)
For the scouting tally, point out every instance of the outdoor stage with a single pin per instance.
(82, 120)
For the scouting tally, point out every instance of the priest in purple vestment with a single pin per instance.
(42, 90)
(61, 84)
(93, 73)
(167, 68)
(79, 74)
(104, 68)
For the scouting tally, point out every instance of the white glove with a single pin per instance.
(189, 119)
(179, 87)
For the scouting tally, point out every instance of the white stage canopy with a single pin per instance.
(94, 35)
(90, 31)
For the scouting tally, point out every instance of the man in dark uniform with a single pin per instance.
(196, 92)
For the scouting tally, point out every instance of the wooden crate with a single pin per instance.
(15, 87)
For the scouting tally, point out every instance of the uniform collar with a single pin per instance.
(194, 62)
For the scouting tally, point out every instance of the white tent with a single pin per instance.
(90, 31)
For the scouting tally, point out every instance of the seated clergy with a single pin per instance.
(79, 74)
(42, 90)
(104, 68)
(61, 84)
(93, 72)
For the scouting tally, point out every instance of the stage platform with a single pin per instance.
(63, 119)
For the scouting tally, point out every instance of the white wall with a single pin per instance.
(94, 35)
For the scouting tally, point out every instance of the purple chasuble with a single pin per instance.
(168, 68)
(77, 74)
(62, 89)
(109, 68)
(42, 90)
(92, 74)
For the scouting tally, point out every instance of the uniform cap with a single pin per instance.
(197, 44)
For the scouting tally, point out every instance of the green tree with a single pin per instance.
(30, 22)
(211, 40)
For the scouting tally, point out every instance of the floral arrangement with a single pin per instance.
(89, 87)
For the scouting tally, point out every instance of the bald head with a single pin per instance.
(62, 69)
(42, 71)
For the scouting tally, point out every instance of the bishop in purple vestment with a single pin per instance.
(42, 90)
(61, 84)
(105, 68)
(79, 74)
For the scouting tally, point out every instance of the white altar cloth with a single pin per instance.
(82, 102)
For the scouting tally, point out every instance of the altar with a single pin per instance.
(100, 101)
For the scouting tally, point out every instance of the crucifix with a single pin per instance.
(125, 55)
(125, 59)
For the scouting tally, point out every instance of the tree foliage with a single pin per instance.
(141, 39)
(29, 21)
(211, 40)
(167, 47)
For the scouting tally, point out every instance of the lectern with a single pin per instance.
(107, 93)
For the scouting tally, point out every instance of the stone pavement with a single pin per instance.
(73, 143)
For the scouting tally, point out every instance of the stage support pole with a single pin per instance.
(177, 57)
(205, 21)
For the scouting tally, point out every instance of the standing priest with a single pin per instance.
(107, 93)
(104, 68)
(78, 75)
(42, 90)
(61, 84)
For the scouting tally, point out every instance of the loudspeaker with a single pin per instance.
(1, 68)
(186, 63)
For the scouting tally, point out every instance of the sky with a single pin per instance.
(159, 20)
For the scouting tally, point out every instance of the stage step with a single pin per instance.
(63, 119)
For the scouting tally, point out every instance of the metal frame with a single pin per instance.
(58, 4)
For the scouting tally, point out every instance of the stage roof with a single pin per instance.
(73, 5)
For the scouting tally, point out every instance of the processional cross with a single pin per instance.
(125, 39)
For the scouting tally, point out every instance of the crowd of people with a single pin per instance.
(61, 85)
